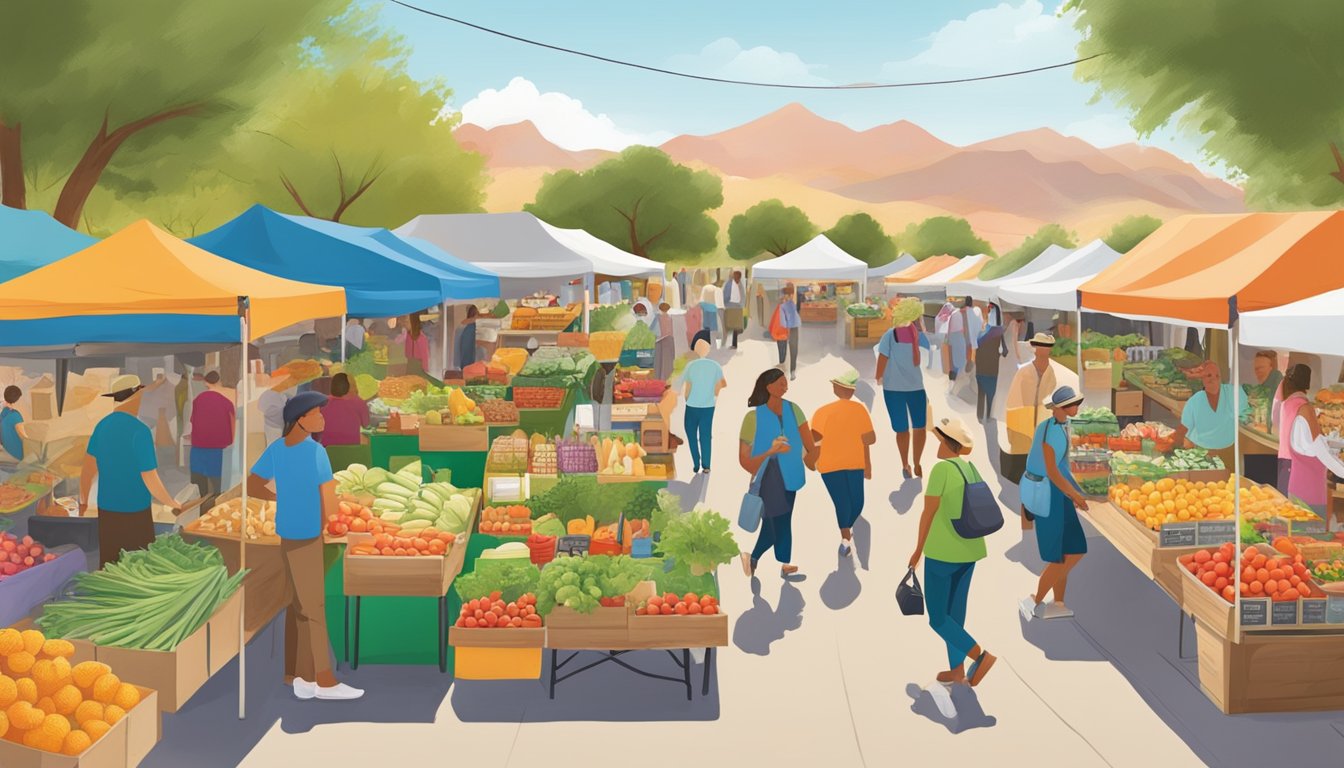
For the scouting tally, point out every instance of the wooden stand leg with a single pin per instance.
(354, 662)
(709, 665)
(554, 656)
(686, 670)
(345, 647)
(443, 631)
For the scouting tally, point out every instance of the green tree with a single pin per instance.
(1131, 231)
(1033, 246)
(1253, 84)
(95, 92)
(862, 237)
(350, 136)
(941, 235)
(639, 201)
(768, 227)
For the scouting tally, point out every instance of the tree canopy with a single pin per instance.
(640, 201)
(1258, 86)
(1033, 246)
(1130, 231)
(941, 235)
(768, 227)
(862, 237)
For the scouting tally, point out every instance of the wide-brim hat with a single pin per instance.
(1063, 398)
(847, 378)
(1042, 340)
(124, 386)
(955, 430)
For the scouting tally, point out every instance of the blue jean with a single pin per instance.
(699, 434)
(984, 402)
(846, 489)
(776, 532)
(946, 588)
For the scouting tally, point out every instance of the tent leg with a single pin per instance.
(243, 400)
(1078, 345)
(345, 319)
(1234, 351)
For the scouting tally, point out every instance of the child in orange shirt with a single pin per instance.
(844, 432)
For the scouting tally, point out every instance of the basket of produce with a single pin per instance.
(678, 621)
(632, 390)
(394, 389)
(419, 563)
(225, 520)
(510, 520)
(508, 454)
(498, 634)
(1095, 421)
(538, 398)
(541, 548)
(576, 457)
(545, 459)
(18, 496)
(399, 501)
(865, 311)
(483, 393)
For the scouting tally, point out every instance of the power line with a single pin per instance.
(708, 79)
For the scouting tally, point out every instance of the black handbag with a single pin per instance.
(980, 511)
(909, 595)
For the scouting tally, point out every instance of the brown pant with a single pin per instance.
(307, 650)
(123, 530)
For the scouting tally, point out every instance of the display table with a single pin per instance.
(467, 467)
(865, 331)
(1139, 545)
(22, 592)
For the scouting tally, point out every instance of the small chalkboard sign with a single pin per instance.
(1177, 535)
(572, 545)
(1284, 613)
(1314, 610)
(1214, 532)
(1254, 612)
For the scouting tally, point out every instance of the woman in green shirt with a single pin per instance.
(951, 558)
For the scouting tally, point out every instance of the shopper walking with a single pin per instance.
(304, 495)
(789, 324)
(709, 312)
(1059, 535)
(213, 428)
(734, 301)
(949, 559)
(702, 381)
(121, 458)
(898, 358)
(987, 354)
(12, 431)
(775, 434)
(844, 432)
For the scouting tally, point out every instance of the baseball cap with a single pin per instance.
(124, 386)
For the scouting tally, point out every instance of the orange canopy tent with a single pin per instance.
(1205, 269)
(929, 266)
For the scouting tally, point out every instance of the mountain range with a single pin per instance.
(1006, 187)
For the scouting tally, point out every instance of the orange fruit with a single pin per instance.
(96, 728)
(88, 710)
(76, 742)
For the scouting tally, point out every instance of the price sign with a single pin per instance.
(1314, 610)
(1254, 612)
(1214, 532)
(1284, 613)
(1178, 535)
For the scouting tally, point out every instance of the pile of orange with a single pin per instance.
(1174, 501)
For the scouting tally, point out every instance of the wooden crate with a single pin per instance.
(1127, 402)
(465, 637)
(454, 437)
(125, 745)
(382, 576)
(603, 629)
(1209, 609)
(678, 631)
(1272, 672)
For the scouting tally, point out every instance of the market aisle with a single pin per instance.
(826, 671)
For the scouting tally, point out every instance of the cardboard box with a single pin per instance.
(472, 663)
(678, 631)
(177, 674)
(1127, 402)
(603, 629)
(124, 746)
(222, 633)
(454, 437)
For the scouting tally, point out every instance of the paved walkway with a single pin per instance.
(825, 672)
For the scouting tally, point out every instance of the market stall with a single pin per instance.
(1260, 582)
(825, 277)
(877, 275)
(965, 268)
(33, 239)
(625, 276)
(986, 290)
(919, 271)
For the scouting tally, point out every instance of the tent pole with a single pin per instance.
(1234, 339)
(345, 319)
(443, 320)
(1078, 343)
(242, 529)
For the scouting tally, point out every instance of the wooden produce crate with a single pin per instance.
(496, 654)
(603, 629)
(454, 437)
(678, 631)
(1139, 545)
(814, 314)
(124, 746)
(390, 576)
(1271, 672)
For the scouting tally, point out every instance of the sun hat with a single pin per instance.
(124, 386)
(298, 405)
(847, 378)
(1042, 340)
(1063, 398)
(954, 430)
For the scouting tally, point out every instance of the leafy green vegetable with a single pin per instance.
(667, 508)
(700, 539)
(1249, 535)
(1097, 340)
(579, 582)
(513, 578)
(612, 317)
(678, 580)
(360, 364)
(640, 336)
(862, 310)
(575, 497)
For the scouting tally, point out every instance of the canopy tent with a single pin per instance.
(1298, 325)
(918, 271)
(606, 258)
(964, 268)
(817, 259)
(32, 239)
(987, 290)
(379, 281)
(1057, 287)
(1204, 270)
(516, 247)
(900, 264)
(469, 281)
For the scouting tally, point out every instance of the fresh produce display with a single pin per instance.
(1330, 410)
(578, 583)
(1096, 340)
(397, 388)
(538, 397)
(493, 613)
(510, 578)
(1095, 421)
(483, 393)
(670, 604)
(1095, 486)
(542, 548)
(1164, 373)
(545, 459)
(560, 361)
(225, 519)
(616, 458)
(298, 371)
(151, 599)
(1331, 571)
(351, 515)
(508, 453)
(15, 496)
(701, 539)
(488, 374)
(575, 457)
(548, 525)
(510, 551)
(402, 499)
(640, 336)
(606, 345)
(19, 554)
(863, 310)
(611, 318)
(83, 701)
(638, 390)
(1261, 574)
(499, 411)
(512, 520)
(1169, 501)
(1193, 460)
(421, 542)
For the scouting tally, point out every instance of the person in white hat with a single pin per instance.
(1031, 384)
(1059, 535)
(843, 431)
(121, 458)
(949, 559)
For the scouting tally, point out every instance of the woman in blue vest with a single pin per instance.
(775, 434)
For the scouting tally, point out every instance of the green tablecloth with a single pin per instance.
(395, 451)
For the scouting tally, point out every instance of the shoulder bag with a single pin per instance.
(909, 595)
(980, 512)
(749, 513)
(1035, 490)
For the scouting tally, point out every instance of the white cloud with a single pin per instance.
(1104, 130)
(726, 58)
(561, 118)
(1005, 37)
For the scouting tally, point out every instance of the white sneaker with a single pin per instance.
(1056, 611)
(338, 692)
(1028, 607)
(942, 698)
(845, 549)
(304, 689)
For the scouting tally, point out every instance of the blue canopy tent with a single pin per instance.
(32, 239)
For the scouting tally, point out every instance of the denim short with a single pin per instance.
(908, 410)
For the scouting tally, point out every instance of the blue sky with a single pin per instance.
(579, 103)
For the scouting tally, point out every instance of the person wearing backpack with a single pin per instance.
(959, 510)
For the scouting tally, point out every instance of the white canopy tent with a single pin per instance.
(1057, 287)
(938, 281)
(1300, 325)
(902, 263)
(987, 290)
(606, 258)
(819, 260)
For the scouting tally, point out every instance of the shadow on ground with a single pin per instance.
(841, 587)
(760, 625)
(969, 712)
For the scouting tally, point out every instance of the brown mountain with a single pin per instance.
(521, 145)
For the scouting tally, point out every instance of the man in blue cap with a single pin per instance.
(304, 494)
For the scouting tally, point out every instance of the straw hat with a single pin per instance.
(124, 386)
(847, 378)
(1042, 340)
(953, 429)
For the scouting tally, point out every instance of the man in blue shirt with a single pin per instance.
(304, 492)
(703, 380)
(788, 317)
(11, 425)
(121, 458)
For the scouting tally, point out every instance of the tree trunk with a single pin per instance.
(13, 191)
(84, 177)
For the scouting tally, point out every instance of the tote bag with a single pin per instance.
(1034, 491)
(909, 595)
(980, 512)
(777, 330)
(749, 513)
